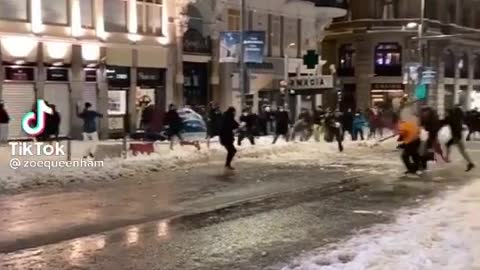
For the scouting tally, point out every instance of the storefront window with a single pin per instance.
(86, 9)
(149, 16)
(346, 60)
(115, 15)
(55, 11)
(388, 59)
(14, 10)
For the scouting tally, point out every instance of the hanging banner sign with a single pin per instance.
(230, 47)
(254, 46)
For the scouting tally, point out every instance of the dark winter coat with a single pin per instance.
(214, 123)
(53, 124)
(250, 121)
(306, 117)
(282, 120)
(318, 117)
(347, 120)
(455, 120)
(89, 120)
(174, 122)
(228, 126)
(4, 117)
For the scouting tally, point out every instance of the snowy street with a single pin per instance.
(298, 206)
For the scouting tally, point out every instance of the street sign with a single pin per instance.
(311, 82)
(421, 92)
(428, 75)
(310, 59)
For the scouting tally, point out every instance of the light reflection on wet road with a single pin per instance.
(123, 226)
(249, 236)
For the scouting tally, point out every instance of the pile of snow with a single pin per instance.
(444, 234)
(134, 167)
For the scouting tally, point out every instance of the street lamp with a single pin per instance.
(285, 72)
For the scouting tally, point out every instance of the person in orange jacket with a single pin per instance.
(409, 132)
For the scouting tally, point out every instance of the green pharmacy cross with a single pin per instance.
(310, 59)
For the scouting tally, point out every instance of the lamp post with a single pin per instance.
(286, 72)
(244, 79)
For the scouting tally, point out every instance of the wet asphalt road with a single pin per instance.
(303, 209)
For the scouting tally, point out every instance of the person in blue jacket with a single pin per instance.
(359, 123)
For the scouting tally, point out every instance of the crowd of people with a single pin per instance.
(417, 132)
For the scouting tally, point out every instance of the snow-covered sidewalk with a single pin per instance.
(134, 167)
(442, 235)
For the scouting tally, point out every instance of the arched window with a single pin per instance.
(463, 66)
(346, 60)
(431, 9)
(195, 19)
(476, 71)
(388, 59)
(451, 12)
(449, 60)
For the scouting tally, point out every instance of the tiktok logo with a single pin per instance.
(39, 117)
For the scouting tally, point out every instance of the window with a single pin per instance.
(115, 14)
(387, 9)
(195, 19)
(234, 20)
(388, 59)
(260, 23)
(291, 36)
(276, 35)
(449, 60)
(463, 66)
(14, 10)
(451, 13)
(55, 11)
(149, 16)
(476, 72)
(431, 9)
(346, 60)
(86, 10)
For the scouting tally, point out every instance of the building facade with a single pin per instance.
(125, 55)
(374, 43)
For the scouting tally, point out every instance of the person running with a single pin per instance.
(318, 118)
(281, 124)
(175, 126)
(214, 122)
(90, 134)
(334, 128)
(347, 122)
(248, 122)
(227, 138)
(409, 135)
(303, 126)
(358, 124)
(431, 124)
(455, 119)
